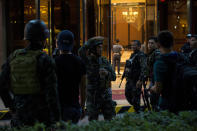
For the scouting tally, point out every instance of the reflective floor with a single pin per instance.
(118, 93)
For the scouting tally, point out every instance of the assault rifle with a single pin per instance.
(145, 97)
(127, 68)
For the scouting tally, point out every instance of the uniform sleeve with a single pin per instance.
(143, 67)
(149, 60)
(111, 72)
(4, 86)
(4, 75)
(121, 47)
(82, 52)
(48, 78)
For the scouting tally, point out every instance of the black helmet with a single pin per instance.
(94, 41)
(36, 30)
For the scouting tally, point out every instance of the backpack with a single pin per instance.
(23, 72)
(183, 92)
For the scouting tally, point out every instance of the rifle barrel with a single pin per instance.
(120, 83)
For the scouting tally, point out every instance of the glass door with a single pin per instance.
(128, 24)
(133, 20)
(18, 13)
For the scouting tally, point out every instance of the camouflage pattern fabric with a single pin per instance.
(132, 94)
(154, 97)
(40, 107)
(116, 62)
(138, 72)
(139, 67)
(99, 95)
(152, 57)
(82, 52)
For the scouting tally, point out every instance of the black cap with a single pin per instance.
(65, 40)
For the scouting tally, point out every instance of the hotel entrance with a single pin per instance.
(133, 20)
(125, 20)
(57, 15)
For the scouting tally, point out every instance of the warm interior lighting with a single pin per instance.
(183, 25)
(44, 12)
(130, 16)
(128, 1)
(125, 13)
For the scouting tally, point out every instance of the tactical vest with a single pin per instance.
(134, 71)
(94, 80)
(104, 83)
(23, 72)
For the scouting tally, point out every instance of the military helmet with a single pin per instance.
(94, 41)
(36, 30)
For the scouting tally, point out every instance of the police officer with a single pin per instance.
(117, 52)
(99, 77)
(136, 75)
(152, 56)
(29, 74)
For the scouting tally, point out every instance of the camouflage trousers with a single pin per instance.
(29, 117)
(116, 62)
(132, 94)
(100, 102)
(29, 111)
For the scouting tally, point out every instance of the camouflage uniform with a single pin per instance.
(152, 56)
(138, 71)
(40, 107)
(98, 90)
(34, 87)
(116, 56)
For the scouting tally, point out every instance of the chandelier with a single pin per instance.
(130, 16)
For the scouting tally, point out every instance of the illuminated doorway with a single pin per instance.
(133, 20)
